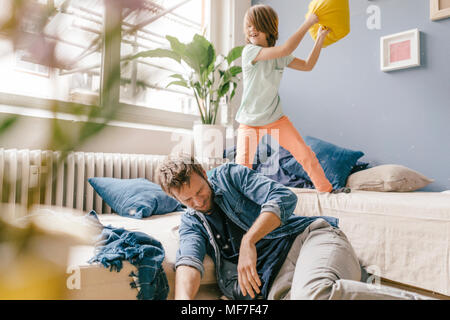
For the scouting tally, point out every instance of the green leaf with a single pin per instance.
(211, 59)
(233, 91)
(177, 76)
(7, 123)
(198, 89)
(234, 54)
(199, 55)
(178, 83)
(177, 46)
(235, 70)
(223, 89)
(211, 52)
(91, 128)
(158, 53)
(227, 76)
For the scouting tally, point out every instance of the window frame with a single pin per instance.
(126, 112)
(139, 113)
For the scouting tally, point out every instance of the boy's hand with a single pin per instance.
(322, 32)
(312, 19)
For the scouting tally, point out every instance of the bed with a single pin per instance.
(403, 237)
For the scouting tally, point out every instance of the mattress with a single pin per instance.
(404, 237)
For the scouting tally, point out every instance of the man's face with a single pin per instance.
(197, 195)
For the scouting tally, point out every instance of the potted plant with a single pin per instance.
(212, 79)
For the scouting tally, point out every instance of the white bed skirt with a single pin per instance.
(404, 237)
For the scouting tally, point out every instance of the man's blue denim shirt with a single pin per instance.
(242, 194)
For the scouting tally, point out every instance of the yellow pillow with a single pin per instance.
(332, 14)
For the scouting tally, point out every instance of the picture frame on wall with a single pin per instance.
(439, 9)
(400, 50)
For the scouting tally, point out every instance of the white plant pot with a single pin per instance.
(209, 140)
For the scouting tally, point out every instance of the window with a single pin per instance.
(58, 39)
(59, 53)
(26, 65)
(145, 80)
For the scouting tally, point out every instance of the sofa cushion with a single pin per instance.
(135, 198)
(337, 162)
(389, 177)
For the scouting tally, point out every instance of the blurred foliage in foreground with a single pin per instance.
(27, 270)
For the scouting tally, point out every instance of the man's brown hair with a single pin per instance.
(264, 19)
(176, 171)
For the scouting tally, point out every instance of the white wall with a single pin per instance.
(226, 33)
(238, 39)
(33, 133)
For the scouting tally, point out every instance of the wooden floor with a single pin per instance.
(209, 291)
(427, 293)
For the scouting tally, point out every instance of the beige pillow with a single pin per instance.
(389, 177)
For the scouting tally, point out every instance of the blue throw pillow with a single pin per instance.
(360, 166)
(278, 164)
(135, 198)
(337, 162)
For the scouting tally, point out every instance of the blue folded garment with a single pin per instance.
(114, 245)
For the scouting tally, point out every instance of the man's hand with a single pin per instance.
(248, 278)
(187, 282)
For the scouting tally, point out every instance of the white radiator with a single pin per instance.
(66, 185)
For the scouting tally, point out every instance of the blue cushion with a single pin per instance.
(278, 164)
(360, 166)
(337, 162)
(135, 198)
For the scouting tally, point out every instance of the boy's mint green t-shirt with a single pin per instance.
(260, 103)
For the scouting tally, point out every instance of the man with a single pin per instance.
(245, 222)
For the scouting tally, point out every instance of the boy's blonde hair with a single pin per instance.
(264, 19)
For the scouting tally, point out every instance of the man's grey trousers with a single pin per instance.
(322, 264)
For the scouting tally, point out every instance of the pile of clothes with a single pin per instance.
(114, 245)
